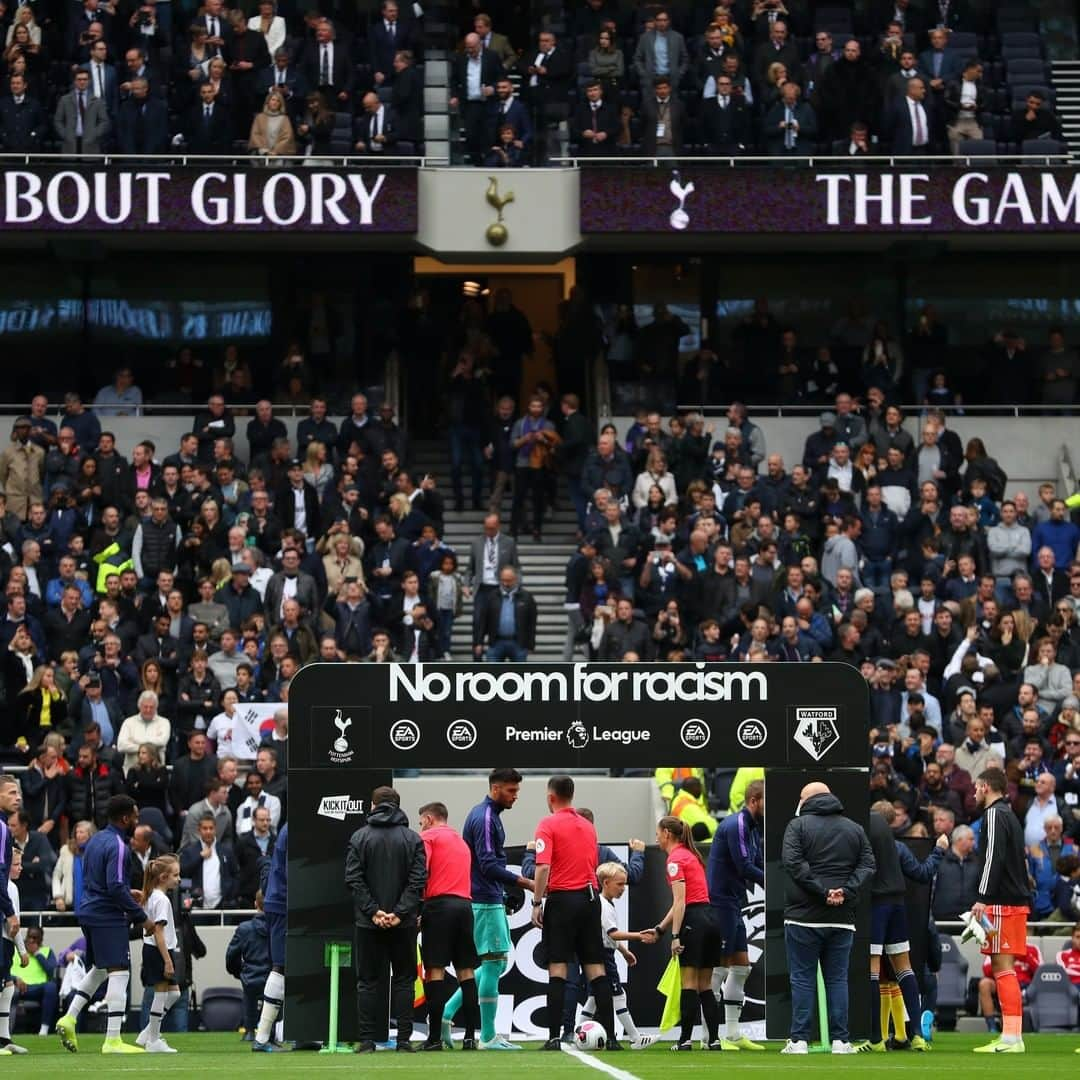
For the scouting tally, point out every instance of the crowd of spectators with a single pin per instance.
(767, 77)
(958, 605)
(154, 77)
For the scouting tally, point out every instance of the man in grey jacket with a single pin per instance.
(81, 120)
(1009, 544)
(661, 51)
(828, 862)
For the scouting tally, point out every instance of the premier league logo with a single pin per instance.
(577, 736)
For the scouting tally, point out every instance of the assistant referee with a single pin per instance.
(447, 924)
(566, 849)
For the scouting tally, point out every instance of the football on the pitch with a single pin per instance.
(590, 1036)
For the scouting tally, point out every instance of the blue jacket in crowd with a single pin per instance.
(248, 956)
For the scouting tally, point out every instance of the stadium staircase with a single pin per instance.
(543, 565)
(1066, 75)
(438, 33)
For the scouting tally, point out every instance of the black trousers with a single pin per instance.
(377, 953)
(474, 120)
(533, 483)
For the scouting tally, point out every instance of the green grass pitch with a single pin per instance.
(208, 1055)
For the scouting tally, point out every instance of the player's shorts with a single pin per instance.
(572, 927)
(729, 921)
(491, 930)
(276, 925)
(153, 966)
(611, 969)
(1009, 933)
(447, 929)
(888, 930)
(701, 938)
(7, 958)
(107, 947)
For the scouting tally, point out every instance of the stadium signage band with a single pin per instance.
(422, 715)
(353, 725)
(839, 200)
(314, 200)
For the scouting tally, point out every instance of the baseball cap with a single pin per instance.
(241, 568)
(828, 419)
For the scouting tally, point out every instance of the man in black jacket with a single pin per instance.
(90, 786)
(473, 75)
(726, 120)
(828, 862)
(576, 432)
(596, 123)
(386, 870)
(508, 622)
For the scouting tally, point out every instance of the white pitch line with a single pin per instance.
(596, 1063)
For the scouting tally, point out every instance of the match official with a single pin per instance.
(566, 849)
(483, 832)
(1002, 899)
(829, 862)
(736, 862)
(447, 923)
(386, 871)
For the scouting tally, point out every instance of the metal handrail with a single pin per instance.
(199, 916)
(180, 158)
(819, 160)
(908, 410)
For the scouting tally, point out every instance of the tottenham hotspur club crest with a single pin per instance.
(816, 731)
(340, 751)
(577, 736)
(679, 218)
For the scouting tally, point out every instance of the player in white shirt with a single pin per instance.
(11, 946)
(159, 953)
(612, 878)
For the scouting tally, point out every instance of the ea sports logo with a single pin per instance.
(404, 735)
(695, 734)
(461, 734)
(751, 734)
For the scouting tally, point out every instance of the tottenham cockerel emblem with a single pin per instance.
(340, 751)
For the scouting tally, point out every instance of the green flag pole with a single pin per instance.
(823, 1045)
(335, 957)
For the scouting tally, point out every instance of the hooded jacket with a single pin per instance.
(385, 867)
(824, 850)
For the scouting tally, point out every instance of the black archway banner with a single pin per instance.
(351, 725)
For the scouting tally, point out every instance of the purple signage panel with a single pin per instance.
(150, 198)
(711, 199)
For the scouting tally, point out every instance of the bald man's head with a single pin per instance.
(816, 788)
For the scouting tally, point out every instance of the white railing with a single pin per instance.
(817, 161)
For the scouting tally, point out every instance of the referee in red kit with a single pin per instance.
(447, 924)
(566, 850)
